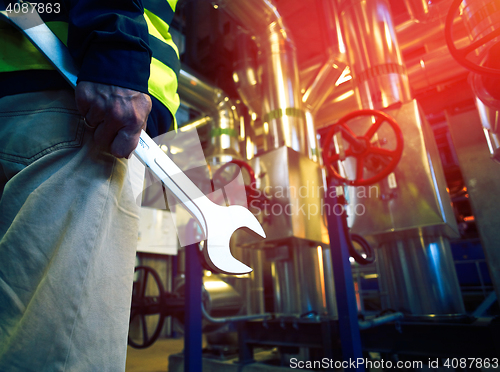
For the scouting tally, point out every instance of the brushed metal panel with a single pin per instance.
(293, 186)
(419, 202)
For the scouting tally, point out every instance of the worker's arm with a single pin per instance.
(109, 40)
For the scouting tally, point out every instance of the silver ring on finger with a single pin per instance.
(87, 124)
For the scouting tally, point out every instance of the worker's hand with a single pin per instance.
(117, 114)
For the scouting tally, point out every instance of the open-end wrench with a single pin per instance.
(217, 222)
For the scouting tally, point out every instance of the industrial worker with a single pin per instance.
(68, 219)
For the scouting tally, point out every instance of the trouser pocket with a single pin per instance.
(35, 124)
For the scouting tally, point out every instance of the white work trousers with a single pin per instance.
(68, 233)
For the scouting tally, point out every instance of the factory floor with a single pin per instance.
(155, 357)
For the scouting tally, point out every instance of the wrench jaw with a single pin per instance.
(221, 227)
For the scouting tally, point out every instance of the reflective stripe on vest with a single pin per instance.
(165, 64)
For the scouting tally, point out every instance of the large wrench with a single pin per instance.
(217, 222)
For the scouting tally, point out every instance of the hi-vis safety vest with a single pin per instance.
(19, 54)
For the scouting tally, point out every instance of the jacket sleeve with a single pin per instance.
(109, 40)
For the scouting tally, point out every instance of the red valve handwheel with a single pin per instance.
(249, 189)
(460, 55)
(361, 147)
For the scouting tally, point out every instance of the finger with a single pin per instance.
(127, 140)
(124, 143)
(128, 137)
(105, 132)
(81, 99)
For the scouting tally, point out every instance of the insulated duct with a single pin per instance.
(414, 34)
(331, 70)
(481, 17)
(432, 69)
(424, 72)
(423, 12)
(281, 99)
(374, 57)
(246, 76)
(212, 101)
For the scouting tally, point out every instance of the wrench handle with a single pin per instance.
(174, 179)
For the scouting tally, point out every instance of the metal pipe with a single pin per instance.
(246, 76)
(481, 17)
(432, 69)
(330, 26)
(281, 100)
(309, 70)
(337, 106)
(374, 56)
(435, 68)
(373, 322)
(213, 101)
(424, 11)
(417, 9)
(238, 318)
(197, 123)
(324, 84)
(328, 74)
(428, 33)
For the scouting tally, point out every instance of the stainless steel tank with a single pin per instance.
(298, 280)
(419, 276)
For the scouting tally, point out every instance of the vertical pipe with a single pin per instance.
(350, 337)
(246, 76)
(324, 83)
(192, 313)
(282, 102)
(282, 109)
(374, 57)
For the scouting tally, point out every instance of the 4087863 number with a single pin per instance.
(38, 7)
(471, 362)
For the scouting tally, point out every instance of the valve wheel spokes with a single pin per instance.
(384, 152)
(144, 305)
(460, 55)
(360, 163)
(374, 128)
(361, 148)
